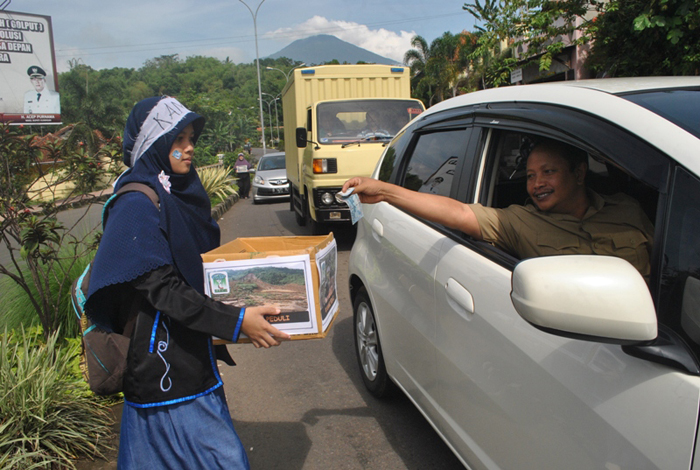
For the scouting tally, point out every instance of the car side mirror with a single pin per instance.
(301, 137)
(596, 298)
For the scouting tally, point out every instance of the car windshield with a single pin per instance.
(364, 120)
(272, 163)
(681, 107)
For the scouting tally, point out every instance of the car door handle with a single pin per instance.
(459, 298)
(378, 228)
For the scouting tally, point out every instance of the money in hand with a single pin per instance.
(353, 202)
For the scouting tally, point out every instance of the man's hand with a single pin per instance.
(369, 190)
(259, 330)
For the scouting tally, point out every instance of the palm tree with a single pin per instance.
(417, 59)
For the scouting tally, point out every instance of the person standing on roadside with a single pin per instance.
(242, 168)
(148, 273)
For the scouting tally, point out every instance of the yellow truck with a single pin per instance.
(337, 121)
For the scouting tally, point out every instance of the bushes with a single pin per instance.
(217, 182)
(16, 308)
(48, 417)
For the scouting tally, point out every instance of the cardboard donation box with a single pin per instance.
(298, 274)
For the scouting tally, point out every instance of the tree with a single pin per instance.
(417, 60)
(627, 38)
(658, 37)
(42, 250)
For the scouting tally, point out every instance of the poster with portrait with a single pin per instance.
(28, 79)
(327, 263)
(283, 281)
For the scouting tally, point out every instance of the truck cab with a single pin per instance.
(342, 139)
(349, 114)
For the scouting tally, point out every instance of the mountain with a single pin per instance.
(323, 48)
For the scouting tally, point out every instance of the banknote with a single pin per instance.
(353, 202)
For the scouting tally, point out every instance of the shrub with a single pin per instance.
(217, 181)
(16, 308)
(40, 246)
(48, 417)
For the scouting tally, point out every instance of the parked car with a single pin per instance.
(557, 362)
(270, 182)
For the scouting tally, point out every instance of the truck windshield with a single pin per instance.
(341, 122)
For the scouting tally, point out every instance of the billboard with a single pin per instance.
(28, 79)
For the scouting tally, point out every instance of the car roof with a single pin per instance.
(273, 154)
(601, 97)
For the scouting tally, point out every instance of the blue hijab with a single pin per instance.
(138, 239)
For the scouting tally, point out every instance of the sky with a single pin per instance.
(127, 33)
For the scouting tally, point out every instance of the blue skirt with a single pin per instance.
(195, 434)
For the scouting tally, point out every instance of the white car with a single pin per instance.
(558, 362)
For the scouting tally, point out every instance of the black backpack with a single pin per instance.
(103, 356)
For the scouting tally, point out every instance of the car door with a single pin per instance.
(512, 396)
(400, 258)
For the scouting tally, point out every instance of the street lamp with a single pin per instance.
(257, 62)
(277, 119)
(286, 75)
(269, 113)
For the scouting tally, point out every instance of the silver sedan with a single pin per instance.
(270, 182)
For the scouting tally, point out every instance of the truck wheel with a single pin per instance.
(316, 228)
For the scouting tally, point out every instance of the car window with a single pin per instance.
(431, 167)
(678, 106)
(680, 279)
(389, 159)
(503, 184)
(272, 163)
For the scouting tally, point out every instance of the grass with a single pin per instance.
(17, 311)
(48, 417)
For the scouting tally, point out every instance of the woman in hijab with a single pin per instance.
(148, 266)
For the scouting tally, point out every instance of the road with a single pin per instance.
(303, 405)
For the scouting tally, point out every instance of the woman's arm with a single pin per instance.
(166, 291)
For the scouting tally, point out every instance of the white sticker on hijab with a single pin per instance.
(164, 116)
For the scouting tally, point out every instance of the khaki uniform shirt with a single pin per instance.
(613, 225)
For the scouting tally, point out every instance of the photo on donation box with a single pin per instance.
(284, 281)
(326, 261)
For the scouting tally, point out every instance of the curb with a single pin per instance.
(221, 208)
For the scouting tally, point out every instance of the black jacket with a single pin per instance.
(171, 357)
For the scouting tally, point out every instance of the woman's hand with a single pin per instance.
(259, 330)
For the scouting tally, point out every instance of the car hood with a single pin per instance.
(272, 174)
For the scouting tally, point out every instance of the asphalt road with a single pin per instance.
(303, 405)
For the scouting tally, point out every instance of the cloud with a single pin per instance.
(380, 41)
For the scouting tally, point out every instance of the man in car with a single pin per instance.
(561, 216)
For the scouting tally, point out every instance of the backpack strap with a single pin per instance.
(142, 188)
(128, 188)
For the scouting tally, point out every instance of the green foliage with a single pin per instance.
(637, 37)
(217, 181)
(442, 69)
(17, 157)
(47, 415)
(17, 309)
(223, 92)
(43, 253)
(627, 37)
(271, 275)
(281, 276)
